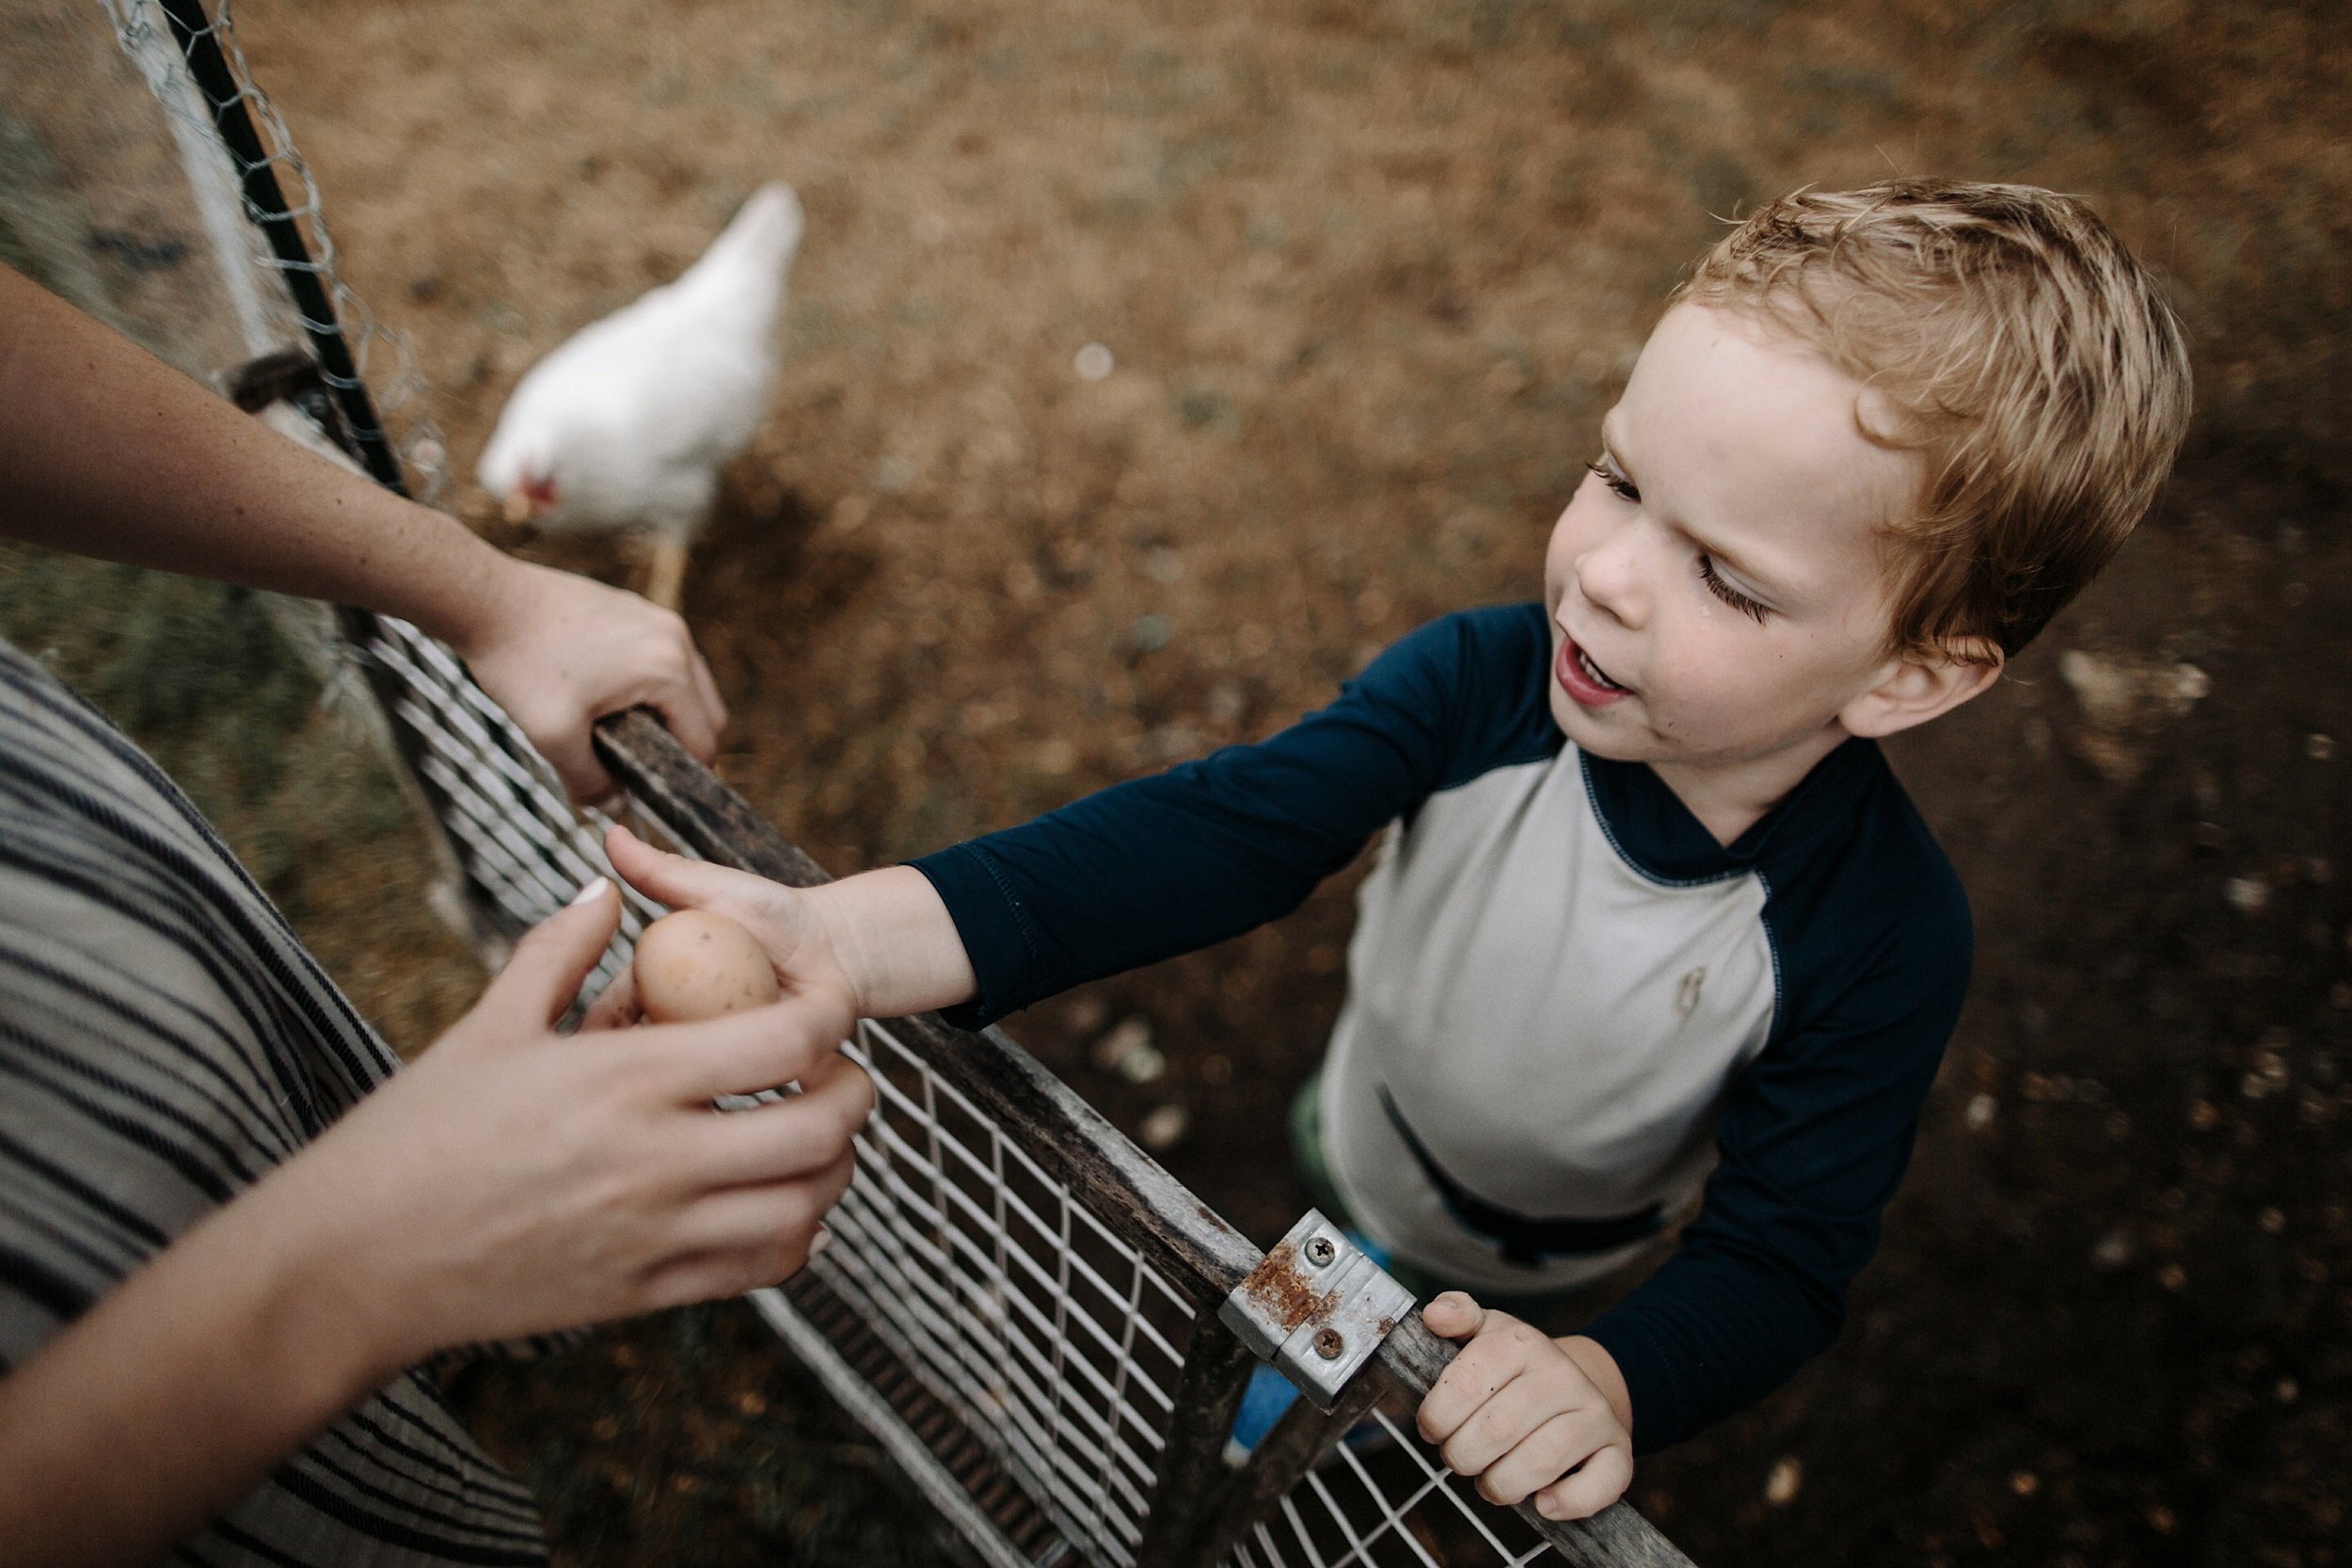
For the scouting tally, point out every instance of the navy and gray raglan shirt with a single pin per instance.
(1570, 1011)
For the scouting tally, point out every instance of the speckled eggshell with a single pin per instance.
(695, 965)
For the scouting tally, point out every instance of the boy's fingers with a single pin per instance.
(1516, 1407)
(1602, 1481)
(668, 878)
(553, 961)
(1555, 1445)
(1454, 1315)
(1513, 1415)
(1498, 1351)
(1462, 1389)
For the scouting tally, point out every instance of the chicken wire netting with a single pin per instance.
(1008, 1342)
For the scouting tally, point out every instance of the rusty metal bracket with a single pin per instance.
(1317, 1308)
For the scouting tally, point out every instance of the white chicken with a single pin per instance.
(627, 422)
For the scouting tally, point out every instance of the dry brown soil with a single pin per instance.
(1370, 274)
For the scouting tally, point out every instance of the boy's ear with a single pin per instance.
(1917, 690)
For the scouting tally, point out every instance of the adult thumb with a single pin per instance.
(554, 958)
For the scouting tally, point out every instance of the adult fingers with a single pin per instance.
(751, 1217)
(1600, 1482)
(758, 1049)
(690, 705)
(554, 959)
(716, 1275)
(786, 1139)
(574, 759)
(760, 1237)
(708, 684)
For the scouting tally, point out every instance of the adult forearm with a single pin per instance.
(108, 452)
(175, 1394)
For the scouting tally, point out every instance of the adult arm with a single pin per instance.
(105, 450)
(510, 1182)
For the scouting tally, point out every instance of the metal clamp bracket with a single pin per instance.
(1317, 1308)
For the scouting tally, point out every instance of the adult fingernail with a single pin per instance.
(590, 891)
(819, 1241)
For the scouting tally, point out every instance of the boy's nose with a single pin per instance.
(1607, 578)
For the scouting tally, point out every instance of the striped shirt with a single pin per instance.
(165, 1041)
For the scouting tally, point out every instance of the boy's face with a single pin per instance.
(1717, 594)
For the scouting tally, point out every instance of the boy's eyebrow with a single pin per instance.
(1608, 441)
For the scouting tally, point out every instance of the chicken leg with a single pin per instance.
(665, 572)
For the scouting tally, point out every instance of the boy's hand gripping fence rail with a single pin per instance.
(1138, 1477)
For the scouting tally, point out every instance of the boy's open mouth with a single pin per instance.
(1585, 680)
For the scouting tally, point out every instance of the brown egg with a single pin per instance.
(693, 965)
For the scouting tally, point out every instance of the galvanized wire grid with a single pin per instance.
(1398, 1506)
(1049, 1335)
(1057, 1345)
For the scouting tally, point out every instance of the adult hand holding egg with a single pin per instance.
(517, 1181)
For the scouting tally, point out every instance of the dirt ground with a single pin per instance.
(1370, 274)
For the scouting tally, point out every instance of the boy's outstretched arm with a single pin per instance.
(1529, 1414)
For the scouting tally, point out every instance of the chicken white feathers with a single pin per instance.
(627, 422)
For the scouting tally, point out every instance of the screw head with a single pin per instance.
(1320, 1251)
(1328, 1344)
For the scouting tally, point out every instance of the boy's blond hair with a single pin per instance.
(2019, 348)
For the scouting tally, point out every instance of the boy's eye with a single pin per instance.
(1621, 486)
(1730, 595)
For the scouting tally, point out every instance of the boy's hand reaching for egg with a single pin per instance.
(884, 937)
(1528, 1415)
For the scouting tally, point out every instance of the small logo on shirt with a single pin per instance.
(1686, 991)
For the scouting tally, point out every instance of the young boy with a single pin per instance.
(1651, 918)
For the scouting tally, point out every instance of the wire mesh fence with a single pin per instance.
(1019, 1305)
